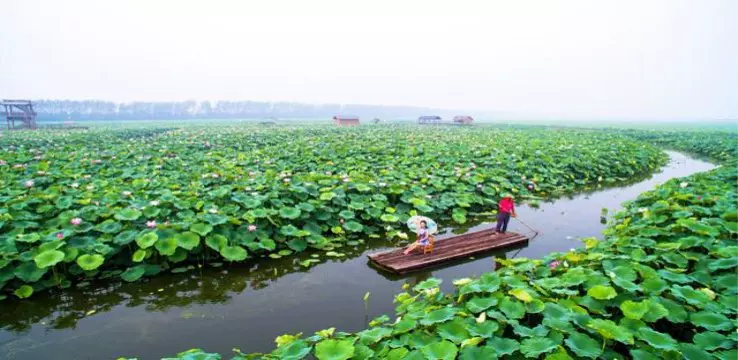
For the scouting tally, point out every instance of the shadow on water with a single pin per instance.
(248, 306)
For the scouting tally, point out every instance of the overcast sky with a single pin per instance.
(578, 59)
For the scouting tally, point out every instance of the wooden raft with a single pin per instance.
(445, 250)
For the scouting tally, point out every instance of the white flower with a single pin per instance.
(74, 185)
(41, 172)
(127, 193)
(89, 187)
(213, 211)
(75, 221)
(642, 210)
(151, 224)
(287, 180)
(346, 179)
(87, 176)
(683, 185)
(154, 202)
(215, 175)
(28, 183)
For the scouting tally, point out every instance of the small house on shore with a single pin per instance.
(463, 120)
(19, 111)
(346, 120)
(429, 119)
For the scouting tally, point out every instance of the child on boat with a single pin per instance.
(423, 238)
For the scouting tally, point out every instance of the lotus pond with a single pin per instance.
(264, 240)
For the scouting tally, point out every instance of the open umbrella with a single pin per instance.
(413, 223)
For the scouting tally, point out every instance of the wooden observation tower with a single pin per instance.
(21, 111)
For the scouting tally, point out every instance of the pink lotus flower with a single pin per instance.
(60, 235)
(252, 227)
(75, 221)
(554, 264)
(530, 186)
(3, 163)
(151, 224)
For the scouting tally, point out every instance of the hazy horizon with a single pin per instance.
(577, 60)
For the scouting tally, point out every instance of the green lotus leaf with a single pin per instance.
(634, 310)
(201, 229)
(109, 226)
(166, 246)
(215, 219)
(698, 227)
(583, 345)
(51, 245)
(503, 346)
(216, 242)
(427, 284)
(610, 330)
(438, 316)
(23, 292)
(534, 347)
(390, 218)
(656, 339)
(729, 263)
(601, 292)
(90, 262)
(535, 306)
(290, 212)
(655, 311)
(654, 286)
(444, 350)
(147, 240)
(711, 321)
(64, 202)
(455, 330)
(70, 254)
(712, 340)
(28, 238)
(521, 295)
(690, 295)
(187, 240)
(151, 212)
(372, 336)
(48, 258)
(484, 329)
(353, 226)
(289, 230)
(125, 237)
(512, 309)
(693, 352)
(334, 350)
(641, 354)
(234, 253)
(480, 304)
(139, 255)
(295, 350)
(405, 325)
(267, 244)
(128, 214)
(133, 273)
(298, 245)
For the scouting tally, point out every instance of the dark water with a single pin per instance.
(247, 307)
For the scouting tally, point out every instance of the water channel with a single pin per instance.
(248, 306)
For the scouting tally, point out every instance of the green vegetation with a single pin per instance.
(662, 284)
(134, 202)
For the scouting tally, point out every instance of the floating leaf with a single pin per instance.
(147, 240)
(48, 258)
(133, 273)
(127, 214)
(334, 350)
(23, 292)
(601, 292)
(444, 350)
(234, 253)
(90, 262)
(583, 345)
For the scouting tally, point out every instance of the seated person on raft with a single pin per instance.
(422, 240)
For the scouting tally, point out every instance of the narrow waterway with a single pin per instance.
(247, 307)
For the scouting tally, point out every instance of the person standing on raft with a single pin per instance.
(506, 209)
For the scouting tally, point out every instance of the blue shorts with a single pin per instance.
(424, 242)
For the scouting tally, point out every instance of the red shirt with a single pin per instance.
(507, 205)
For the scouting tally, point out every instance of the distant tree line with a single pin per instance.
(141, 110)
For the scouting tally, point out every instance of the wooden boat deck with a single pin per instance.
(445, 250)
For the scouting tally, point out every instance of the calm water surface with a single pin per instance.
(247, 307)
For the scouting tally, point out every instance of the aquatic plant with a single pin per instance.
(135, 202)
